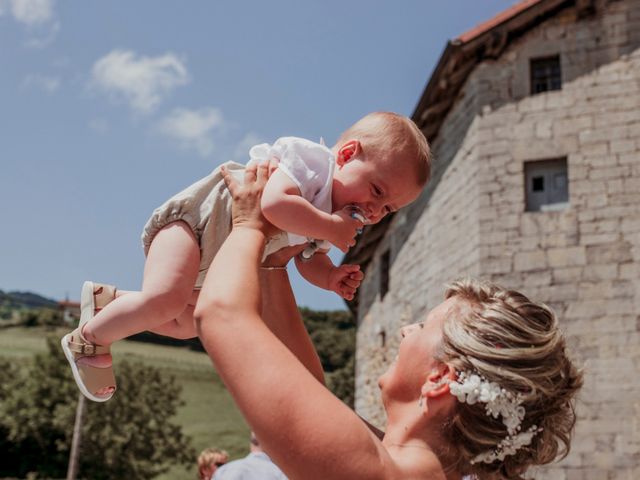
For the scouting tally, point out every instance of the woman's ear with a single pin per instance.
(348, 151)
(438, 381)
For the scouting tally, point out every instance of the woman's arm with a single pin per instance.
(308, 432)
(281, 314)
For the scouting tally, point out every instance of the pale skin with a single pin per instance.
(165, 303)
(274, 380)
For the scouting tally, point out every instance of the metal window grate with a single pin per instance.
(545, 74)
(546, 185)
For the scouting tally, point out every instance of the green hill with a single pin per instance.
(14, 304)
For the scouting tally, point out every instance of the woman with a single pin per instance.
(482, 387)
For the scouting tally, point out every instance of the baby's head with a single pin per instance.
(383, 162)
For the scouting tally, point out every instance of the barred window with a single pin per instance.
(545, 74)
(546, 185)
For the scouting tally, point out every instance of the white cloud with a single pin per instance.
(38, 16)
(143, 82)
(192, 129)
(44, 82)
(32, 12)
(241, 153)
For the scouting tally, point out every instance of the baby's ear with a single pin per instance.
(348, 151)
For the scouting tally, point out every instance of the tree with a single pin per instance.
(130, 436)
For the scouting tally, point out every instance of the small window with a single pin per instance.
(545, 74)
(546, 185)
(385, 262)
(383, 338)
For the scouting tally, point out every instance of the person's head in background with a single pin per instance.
(254, 444)
(209, 460)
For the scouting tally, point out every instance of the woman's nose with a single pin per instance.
(406, 330)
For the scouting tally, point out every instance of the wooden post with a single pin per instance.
(74, 455)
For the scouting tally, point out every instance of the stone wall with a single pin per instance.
(584, 260)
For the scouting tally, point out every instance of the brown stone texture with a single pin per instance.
(583, 260)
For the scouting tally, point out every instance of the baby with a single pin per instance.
(317, 194)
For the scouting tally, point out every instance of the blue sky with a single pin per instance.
(108, 108)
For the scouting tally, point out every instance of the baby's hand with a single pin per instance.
(345, 280)
(344, 230)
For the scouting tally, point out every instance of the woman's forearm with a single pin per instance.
(282, 316)
(232, 283)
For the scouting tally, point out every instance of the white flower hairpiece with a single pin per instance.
(499, 402)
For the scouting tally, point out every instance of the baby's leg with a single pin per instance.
(170, 273)
(182, 326)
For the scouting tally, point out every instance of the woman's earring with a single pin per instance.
(420, 402)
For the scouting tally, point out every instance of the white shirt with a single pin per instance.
(308, 164)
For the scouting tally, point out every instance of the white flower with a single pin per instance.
(499, 402)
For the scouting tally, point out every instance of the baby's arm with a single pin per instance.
(283, 205)
(320, 271)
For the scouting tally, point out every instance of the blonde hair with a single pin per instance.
(209, 457)
(393, 137)
(510, 340)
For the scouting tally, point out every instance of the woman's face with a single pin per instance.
(420, 342)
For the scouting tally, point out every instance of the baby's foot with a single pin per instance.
(97, 361)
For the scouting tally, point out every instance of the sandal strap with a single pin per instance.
(78, 344)
(103, 294)
(88, 349)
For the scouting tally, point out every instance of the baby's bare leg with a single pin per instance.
(170, 273)
(182, 326)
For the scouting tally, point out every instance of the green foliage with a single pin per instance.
(45, 317)
(131, 436)
(333, 334)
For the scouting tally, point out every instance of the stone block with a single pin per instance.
(586, 309)
(567, 275)
(619, 252)
(528, 261)
(566, 257)
(630, 271)
(600, 272)
(599, 238)
(622, 146)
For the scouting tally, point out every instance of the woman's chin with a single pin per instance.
(388, 374)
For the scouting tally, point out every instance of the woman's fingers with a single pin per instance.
(282, 256)
(250, 173)
(263, 173)
(231, 183)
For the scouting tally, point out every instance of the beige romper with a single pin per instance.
(196, 205)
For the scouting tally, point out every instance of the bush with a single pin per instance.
(47, 317)
(130, 436)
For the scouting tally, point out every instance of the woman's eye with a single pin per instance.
(377, 190)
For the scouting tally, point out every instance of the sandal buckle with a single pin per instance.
(88, 349)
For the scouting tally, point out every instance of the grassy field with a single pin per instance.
(209, 415)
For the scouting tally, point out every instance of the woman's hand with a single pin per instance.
(245, 211)
(282, 256)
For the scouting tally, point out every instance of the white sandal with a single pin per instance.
(90, 379)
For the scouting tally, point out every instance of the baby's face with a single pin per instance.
(374, 186)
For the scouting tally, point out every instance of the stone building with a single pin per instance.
(534, 122)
